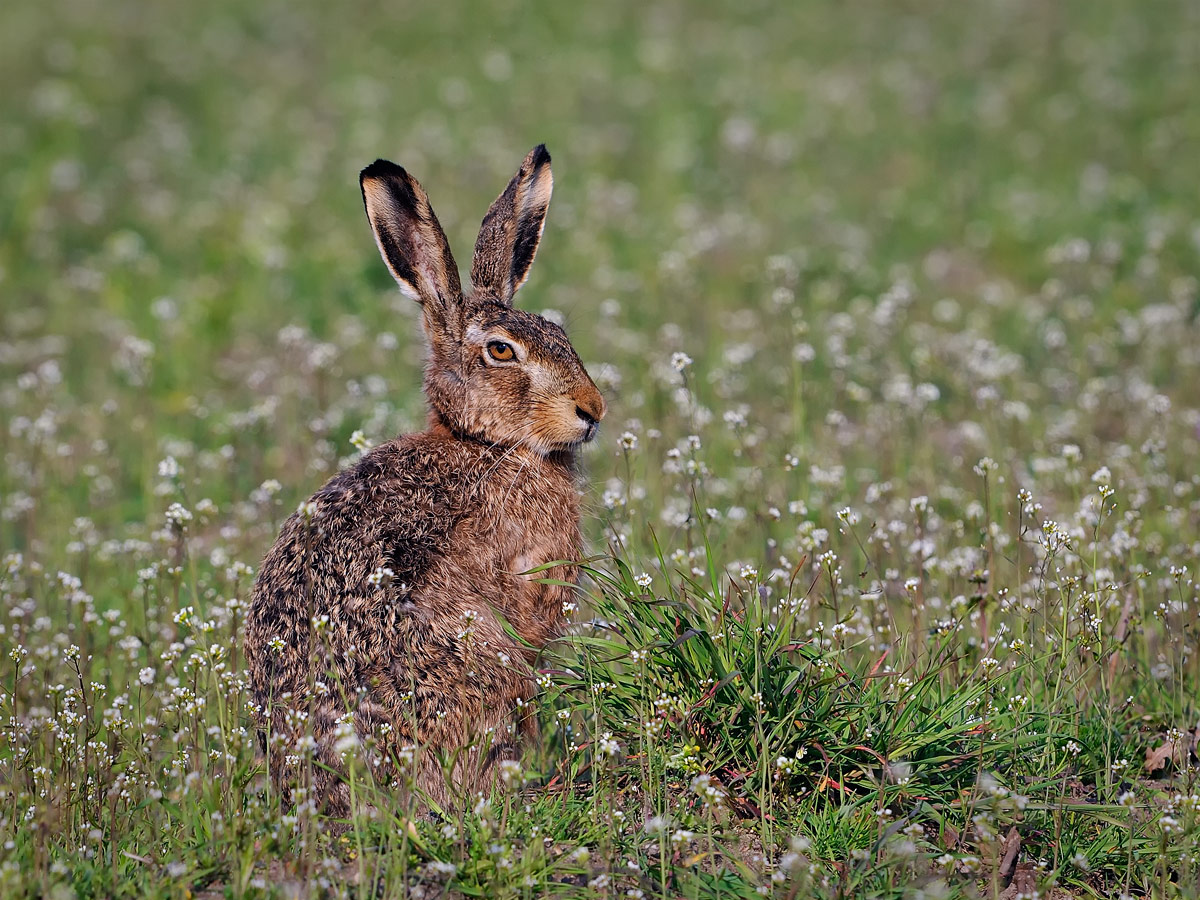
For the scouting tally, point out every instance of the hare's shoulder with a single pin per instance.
(384, 518)
(431, 485)
(414, 475)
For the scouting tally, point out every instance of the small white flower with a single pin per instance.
(707, 790)
(681, 836)
(381, 576)
(656, 824)
(345, 737)
(178, 516)
(680, 361)
(985, 465)
(510, 772)
(607, 745)
(437, 869)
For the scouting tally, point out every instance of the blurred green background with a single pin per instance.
(207, 154)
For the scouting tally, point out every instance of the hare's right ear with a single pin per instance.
(512, 229)
(413, 245)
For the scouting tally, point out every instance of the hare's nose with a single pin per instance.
(590, 406)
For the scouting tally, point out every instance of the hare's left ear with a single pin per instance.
(512, 229)
(413, 245)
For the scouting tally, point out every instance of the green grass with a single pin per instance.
(900, 565)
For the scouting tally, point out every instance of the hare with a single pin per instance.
(382, 622)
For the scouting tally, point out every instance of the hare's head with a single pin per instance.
(495, 373)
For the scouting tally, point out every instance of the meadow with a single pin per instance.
(895, 515)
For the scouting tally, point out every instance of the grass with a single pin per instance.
(896, 514)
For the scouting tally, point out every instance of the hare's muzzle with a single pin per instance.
(589, 410)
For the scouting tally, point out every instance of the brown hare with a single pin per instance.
(380, 621)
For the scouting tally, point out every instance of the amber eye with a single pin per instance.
(500, 351)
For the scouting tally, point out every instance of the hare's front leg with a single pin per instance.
(511, 727)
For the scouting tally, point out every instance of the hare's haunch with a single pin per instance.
(378, 621)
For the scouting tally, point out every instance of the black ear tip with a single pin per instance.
(539, 156)
(381, 168)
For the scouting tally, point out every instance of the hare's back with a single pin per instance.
(381, 521)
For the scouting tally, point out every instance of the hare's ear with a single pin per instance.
(413, 245)
(512, 229)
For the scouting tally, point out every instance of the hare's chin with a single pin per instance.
(583, 434)
(568, 439)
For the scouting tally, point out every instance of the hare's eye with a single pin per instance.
(500, 351)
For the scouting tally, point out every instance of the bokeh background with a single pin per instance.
(852, 276)
(184, 175)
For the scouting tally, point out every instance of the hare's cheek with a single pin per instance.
(561, 421)
(541, 380)
(507, 385)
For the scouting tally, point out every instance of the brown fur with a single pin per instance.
(456, 513)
